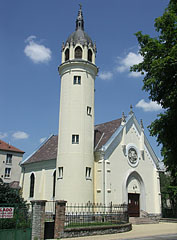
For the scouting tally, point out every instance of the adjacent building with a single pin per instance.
(10, 158)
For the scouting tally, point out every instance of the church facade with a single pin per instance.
(112, 162)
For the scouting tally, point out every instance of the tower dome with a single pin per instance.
(79, 45)
(79, 36)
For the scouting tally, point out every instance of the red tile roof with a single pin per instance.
(7, 147)
(48, 150)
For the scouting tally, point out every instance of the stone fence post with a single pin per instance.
(59, 218)
(38, 219)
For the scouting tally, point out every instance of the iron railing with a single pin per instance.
(95, 214)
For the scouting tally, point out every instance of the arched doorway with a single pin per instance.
(134, 193)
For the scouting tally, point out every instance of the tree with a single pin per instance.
(11, 198)
(160, 68)
(168, 192)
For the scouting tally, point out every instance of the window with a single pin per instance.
(7, 172)
(88, 173)
(9, 159)
(75, 139)
(32, 182)
(89, 55)
(89, 111)
(60, 172)
(78, 52)
(54, 182)
(77, 80)
(67, 54)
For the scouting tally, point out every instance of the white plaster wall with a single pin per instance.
(15, 167)
(43, 171)
(73, 119)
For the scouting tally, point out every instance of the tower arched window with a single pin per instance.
(32, 182)
(54, 182)
(89, 55)
(78, 52)
(67, 54)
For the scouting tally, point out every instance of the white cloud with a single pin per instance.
(42, 139)
(105, 75)
(129, 60)
(20, 135)
(38, 53)
(149, 106)
(3, 135)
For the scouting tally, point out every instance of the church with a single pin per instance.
(109, 163)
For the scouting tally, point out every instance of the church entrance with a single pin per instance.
(133, 205)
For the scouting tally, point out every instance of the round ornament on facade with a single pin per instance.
(133, 156)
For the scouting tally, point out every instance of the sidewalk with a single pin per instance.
(137, 231)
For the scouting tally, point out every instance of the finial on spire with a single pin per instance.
(80, 20)
(141, 123)
(131, 110)
(123, 118)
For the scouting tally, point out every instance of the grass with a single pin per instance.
(90, 224)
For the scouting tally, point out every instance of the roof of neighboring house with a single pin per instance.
(48, 150)
(7, 147)
(14, 184)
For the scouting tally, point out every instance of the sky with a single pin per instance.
(31, 36)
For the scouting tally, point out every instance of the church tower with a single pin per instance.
(75, 158)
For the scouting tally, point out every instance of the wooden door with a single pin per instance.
(133, 205)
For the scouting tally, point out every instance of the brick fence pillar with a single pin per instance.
(38, 219)
(59, 218)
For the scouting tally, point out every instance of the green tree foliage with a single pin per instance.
(168, 192)
(160, 68)
(11, 198)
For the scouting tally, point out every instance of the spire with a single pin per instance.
(80, 20)
(123, 119)
(141, 124)
(131, 110)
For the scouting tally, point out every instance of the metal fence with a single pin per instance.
(95, 214)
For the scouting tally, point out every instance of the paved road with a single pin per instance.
(160, 237)
(161, 231)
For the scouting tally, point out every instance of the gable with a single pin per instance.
(132, 137)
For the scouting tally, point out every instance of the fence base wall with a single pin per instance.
(96, 230)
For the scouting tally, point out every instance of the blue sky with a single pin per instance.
(31, 36)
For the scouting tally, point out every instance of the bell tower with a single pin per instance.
(75, 158)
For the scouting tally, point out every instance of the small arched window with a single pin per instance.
(32, 181)
(78, 52)
(89, 55)
(54, 182)
(67, 54)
